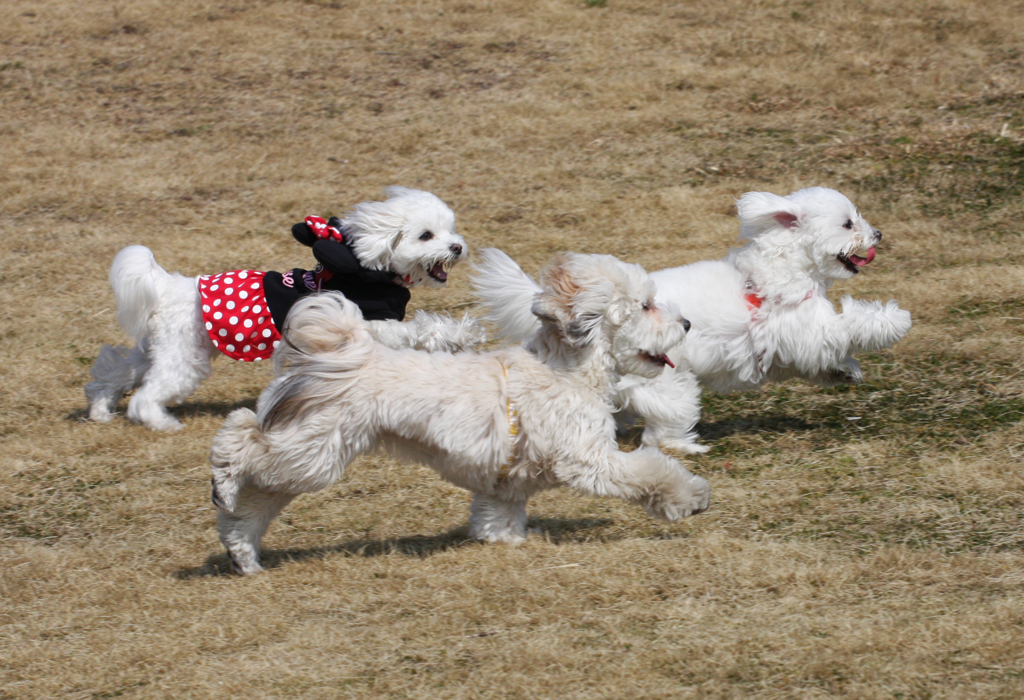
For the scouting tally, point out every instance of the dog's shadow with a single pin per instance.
(554, 530)
(211, 408)
(190, 410)
(709, 432)
(769, 424)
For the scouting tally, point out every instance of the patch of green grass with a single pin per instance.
(939, 400)
(967, 307)
(974, 174)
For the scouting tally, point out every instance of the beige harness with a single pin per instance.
(513, 430)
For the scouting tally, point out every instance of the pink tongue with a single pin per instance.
(859, 261)
(438, 270)
(668, 361)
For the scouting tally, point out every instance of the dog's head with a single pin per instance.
(816, 226)
(598, 302)
(411, 234)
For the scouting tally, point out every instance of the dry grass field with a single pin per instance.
(864, 542)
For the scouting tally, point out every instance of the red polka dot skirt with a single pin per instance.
(236, 315)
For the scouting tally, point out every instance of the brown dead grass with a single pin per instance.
(872, 558)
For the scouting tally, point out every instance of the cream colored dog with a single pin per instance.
(502, 425)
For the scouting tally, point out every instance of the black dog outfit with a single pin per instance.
(243, 310)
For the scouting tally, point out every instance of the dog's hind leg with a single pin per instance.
(670, 406)
(117, 371)
(179, 355)
(494, 520)
(242, 530)
(170, 380)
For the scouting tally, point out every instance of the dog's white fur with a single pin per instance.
(790, 259)
(173, 352)
(340, 394)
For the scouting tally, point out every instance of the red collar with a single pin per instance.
(755, 301)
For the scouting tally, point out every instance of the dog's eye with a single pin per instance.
(848, 224)
(648, 306)
(426, 236)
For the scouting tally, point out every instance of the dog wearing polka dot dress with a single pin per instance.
(373, 256)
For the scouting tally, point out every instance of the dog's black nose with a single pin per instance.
(878, 234)
(456, 248)
(686, 325)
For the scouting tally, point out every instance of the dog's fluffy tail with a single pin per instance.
(321, 327)
(325, 342)
(506, 294)
(137, 282)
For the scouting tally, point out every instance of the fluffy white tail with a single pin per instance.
(506, 294)
(320, 327)
(136, 280)
(325, 342)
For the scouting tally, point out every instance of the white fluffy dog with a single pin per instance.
(760, 314)
(503, 425)
(411, 236)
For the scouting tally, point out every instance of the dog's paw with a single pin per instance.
(684, 446)
(847, 373)
(692, 497)
(496, 536)
(442, 333)
(899, 318)
(244, 565)
(100, 414)
(467, 334)
(170, 424)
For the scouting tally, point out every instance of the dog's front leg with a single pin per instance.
(670, 406)
(431, 332)
(395, 334)
(662, 485)
(872, 326)
(812, 341)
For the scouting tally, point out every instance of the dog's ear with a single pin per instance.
(552, 305)
(547, 309)
(760, 211)
(374, 228)
(558, 306)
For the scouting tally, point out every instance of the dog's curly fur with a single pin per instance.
(503, 425)
(173, 352)
(760, 314)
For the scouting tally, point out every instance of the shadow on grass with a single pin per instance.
(211, 408)
(182, 412)
(555, 530)
(762, 424)
(707, 432)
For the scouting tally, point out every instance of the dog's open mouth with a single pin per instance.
(439, 271)
(853, 262)
(660, 360)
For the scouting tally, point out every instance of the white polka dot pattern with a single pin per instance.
(253, 317)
